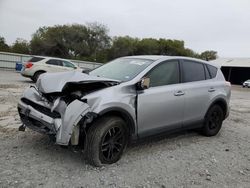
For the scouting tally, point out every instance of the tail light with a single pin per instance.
(28, 65)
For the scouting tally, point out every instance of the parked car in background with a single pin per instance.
(246, 83)
(38, 65)
(125, 100)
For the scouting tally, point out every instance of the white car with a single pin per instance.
(39, 65)
(246, 83)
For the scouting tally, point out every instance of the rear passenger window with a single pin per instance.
(212, 70)
(192, 71)
(54, 62)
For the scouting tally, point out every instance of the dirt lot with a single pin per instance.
(28, 159)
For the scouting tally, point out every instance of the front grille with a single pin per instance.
(41, 108)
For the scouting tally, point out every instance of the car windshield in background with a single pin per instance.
(123, 69)
(35, 59)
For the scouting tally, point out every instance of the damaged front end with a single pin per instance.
(58, 111)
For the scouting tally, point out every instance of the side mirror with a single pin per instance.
(143, 84)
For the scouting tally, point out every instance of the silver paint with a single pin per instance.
(160, 107)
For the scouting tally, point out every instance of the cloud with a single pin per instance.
(209, 24)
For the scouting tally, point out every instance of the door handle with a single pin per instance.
(211, 89)
(179, 93)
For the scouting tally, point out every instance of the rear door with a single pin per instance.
(160, 107)
(196, 89)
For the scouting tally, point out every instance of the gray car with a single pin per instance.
(125, 100)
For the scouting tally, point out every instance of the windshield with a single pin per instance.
(123, 69)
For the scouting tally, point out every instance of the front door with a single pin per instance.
(160, 107)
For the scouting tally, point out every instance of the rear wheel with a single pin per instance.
(213, 121)
(106, 140)
(36, 76)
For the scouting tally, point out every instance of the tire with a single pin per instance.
(36, 76)
(106, 140)
(213, 121)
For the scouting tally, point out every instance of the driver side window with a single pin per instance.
(165, 73)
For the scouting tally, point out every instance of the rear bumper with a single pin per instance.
(27, 73)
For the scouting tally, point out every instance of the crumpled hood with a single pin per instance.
(55, 82)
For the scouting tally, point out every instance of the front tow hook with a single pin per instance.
(22, 128)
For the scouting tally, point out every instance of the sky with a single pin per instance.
(220, 25)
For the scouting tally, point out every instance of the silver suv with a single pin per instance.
(125, 100)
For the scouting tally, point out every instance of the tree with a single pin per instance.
(91, 42)
(123, 46)
(97, 39)
(20, 46)
(71, 41)
(3, 46)
(208, 55)
(51, 41)
(147, 46)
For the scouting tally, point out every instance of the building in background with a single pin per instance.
(235, 70)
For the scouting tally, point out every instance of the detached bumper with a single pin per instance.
(36, 114)
(36, 120)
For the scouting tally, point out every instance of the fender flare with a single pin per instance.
(222, 103)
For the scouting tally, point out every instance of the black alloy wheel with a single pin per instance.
(106, 140)
(213, 121)
(112, 144)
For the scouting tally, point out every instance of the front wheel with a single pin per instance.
(213, 121)
(106, 140)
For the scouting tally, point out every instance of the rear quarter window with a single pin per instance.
(213, 70)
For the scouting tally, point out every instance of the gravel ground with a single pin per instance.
(28, 159)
